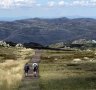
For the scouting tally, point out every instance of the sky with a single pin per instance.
(18, 9)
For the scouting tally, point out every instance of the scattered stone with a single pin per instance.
(91, 60)
(56, 59)
(48, 56)
(19, 45)
(88, 50)
(86, 58)
(4, 44)
(77, 60)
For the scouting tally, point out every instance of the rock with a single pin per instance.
(86, 58)
(77, 60)
(92, 60)
(55, 59)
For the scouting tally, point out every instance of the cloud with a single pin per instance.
(77, 3)
(93, 2)
(30, 3)
(6, 3)
(38, 4)
(51, 3)
(80, 3)
(16, 3)
(25, 2)
(61, 3)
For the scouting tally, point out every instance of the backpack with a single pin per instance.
(35, 66)
(26, 67)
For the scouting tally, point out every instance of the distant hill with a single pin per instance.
(48, 31)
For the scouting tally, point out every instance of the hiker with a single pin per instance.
(26, 69)
(35, 69)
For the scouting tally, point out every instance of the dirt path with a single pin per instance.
(31, 82)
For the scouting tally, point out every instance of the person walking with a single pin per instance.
(26, 69)
(35, 69)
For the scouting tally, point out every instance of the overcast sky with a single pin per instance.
(47, 8)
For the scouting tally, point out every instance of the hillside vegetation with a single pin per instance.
(68, 70)
(12, 61)
(58, 70)
(48, 31)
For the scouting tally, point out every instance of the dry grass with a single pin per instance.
(11, 73)
(11, 70)
(58, 71)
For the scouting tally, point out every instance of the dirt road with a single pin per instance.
(31, 82)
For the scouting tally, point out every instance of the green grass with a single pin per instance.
(59, 72)
(72, 83)
(32, 84)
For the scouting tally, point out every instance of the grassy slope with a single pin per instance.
(12, 61)
(58, 71)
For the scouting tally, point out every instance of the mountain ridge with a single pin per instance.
(48, 31)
